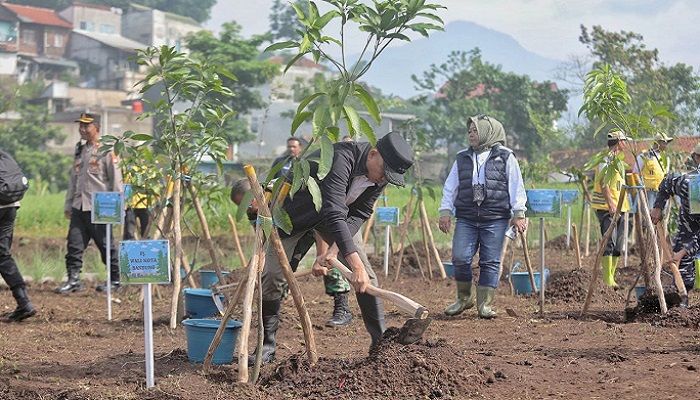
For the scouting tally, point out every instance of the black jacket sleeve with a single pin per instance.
(334, 211)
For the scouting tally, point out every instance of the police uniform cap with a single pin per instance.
(397, 155)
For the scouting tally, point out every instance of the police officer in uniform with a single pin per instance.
(92, 172)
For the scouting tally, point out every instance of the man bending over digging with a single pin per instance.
(357, 176)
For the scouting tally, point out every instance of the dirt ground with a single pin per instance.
(70, 351)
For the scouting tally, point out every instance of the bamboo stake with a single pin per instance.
(601, 249)
(205, 232)
(177, 230)
(528, 262)
(420, 264)
(237, 241)
(668, 257)
(264, 211)
(247, 316)
(588, 229)
(403, 231)
(426, 223)
(188, 270)
(577, 249)
(657, 256)
(261, 332)
(425, 247)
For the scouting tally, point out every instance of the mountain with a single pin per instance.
(392, 71)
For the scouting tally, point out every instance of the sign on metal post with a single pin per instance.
(145, 262)
(543, 203)
(108, 209)
(387, 216)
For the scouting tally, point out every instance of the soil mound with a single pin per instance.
(427, 369)
(558, 243)
(648, 310)
(569, 286)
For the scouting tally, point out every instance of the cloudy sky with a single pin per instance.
(547, 27)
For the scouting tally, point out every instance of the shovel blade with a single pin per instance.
(412, 331)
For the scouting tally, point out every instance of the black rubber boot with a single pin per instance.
(372, 309)
(342, 315)
(24, 309)
(271, 321)
(103, 287)
(73, 283)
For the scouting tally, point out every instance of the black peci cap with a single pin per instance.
(397, 155)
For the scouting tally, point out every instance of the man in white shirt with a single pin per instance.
(485, 193)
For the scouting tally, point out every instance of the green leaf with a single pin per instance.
(431, 16)
(141, 137)
(367, 130)
(368, 101)
(299, 119)
(266, 223)
(320, 120)
(315, 191)
(245, 202)
(306, 44)
(281, 45)
(308, 99)
(326, 161)
(297, 179)
(281, 219)
(322, 21)
(353, 119)
(293, 61)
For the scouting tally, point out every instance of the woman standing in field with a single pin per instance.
(485, 193)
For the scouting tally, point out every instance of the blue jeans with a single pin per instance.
(487, 237)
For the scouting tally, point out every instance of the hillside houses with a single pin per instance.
(84, 55)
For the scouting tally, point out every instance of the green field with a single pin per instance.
(40, 220)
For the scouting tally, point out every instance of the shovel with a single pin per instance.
(413, 329)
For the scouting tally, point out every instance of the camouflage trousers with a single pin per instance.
(334, 281)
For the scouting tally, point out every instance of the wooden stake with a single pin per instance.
(188, 270)
(588, 229)
(601, 249)
(528, 262)
(425, 247)
(426, 223)
(577, 249)
(403, 231)
(237, 241)
(264, 212)
(657, 257)
(259, 263)
(207, 235)
(668, 257)
(177, 230)
(420, 264)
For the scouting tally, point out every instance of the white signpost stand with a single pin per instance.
(568, 197)
(108, 209)
(145, 262)
(388, 216)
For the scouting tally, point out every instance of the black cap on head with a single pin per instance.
(87, 118)
(397, 155)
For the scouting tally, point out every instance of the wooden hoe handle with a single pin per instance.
(403, 302)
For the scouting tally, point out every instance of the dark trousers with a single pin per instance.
(614, 246)
(80, 231)
(8, 268)
(132, 214)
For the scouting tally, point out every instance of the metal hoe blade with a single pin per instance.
(412, 331)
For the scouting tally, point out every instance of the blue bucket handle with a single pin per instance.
(516, 267)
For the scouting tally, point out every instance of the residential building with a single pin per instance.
(43, 38)
(157, 28)
(94, 18)
(9, 27)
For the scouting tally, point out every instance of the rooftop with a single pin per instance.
(38, 15)
(112, 40)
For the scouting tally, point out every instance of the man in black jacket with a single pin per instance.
(358, 175)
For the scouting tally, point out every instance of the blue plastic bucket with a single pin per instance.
(639, 291)
(208, 278)
(200, 333)
(199, 304)
(449, 269)
(521, 280)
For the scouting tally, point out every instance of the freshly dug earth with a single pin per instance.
(70, 351)
(427, 369)
(571, 286)
(648, 310)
